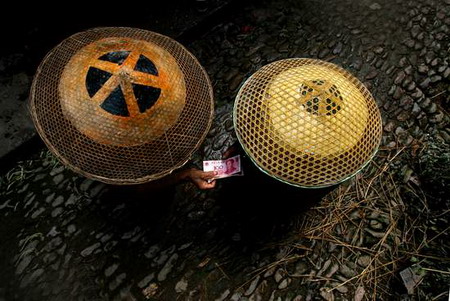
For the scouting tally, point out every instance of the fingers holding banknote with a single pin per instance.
(202, 179)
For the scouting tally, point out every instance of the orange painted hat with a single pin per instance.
(121, 105)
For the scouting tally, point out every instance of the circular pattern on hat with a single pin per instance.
(307, 122)
(121, 105)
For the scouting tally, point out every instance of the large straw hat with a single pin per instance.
(307, 122)
(121, 105)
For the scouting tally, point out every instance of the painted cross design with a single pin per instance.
(123, 83)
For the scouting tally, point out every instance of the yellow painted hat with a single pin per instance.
(121, 105)
(307, 122)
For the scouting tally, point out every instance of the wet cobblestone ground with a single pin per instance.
(65, 237)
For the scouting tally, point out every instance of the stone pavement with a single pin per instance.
(65, 237)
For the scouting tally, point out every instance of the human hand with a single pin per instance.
(202, 179)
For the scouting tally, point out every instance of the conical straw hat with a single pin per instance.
(307, 122)
(121, 105)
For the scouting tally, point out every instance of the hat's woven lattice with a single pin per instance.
(121, 105)
(307, 122)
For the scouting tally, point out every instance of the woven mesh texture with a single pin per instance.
(307, 122)
(121, 105)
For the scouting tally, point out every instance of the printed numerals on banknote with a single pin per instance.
(224, 168)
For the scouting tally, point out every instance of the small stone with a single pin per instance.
(23, 264)
(407, 175)
(370, 56)
(71, 200)
(364, 261)
(323, 53)
(326, 293)
(433, 108)
(269, 272)
(429, 56)
(403, 62)
(417, 93)
(152, 251)
(446, 73)
(391, 145)
(301, 268)
(338, 48)
(284, 284)
(435, 78)
(375, 6)
(53, 244)
(57, 211)
(435, 62)
(37, 213)
(71, 228)
(371, 75)
(131, 233)
(278, 275)
(324, 267)
(342, 289)
(50, 198)
(167, 267)
(111, 269)
(88, 251)
(410, 279)
(406, 102)
(224, 295)
(86, 184)
(416, 109)
(39, 177)
(441, 69)
(346, 271)
(236, 296)
(411, 86)
(415, 30)
(378, 50)
(390, 70)
(146, 280)
(437, 118)
(235, 83)
(252, 286)
(58, 179)
(117, 281)
(53, 232)
(375, 233)
(334, 268)
(376, 225)
(400, 77)
(357, 64)
(410, 43)
(359, 293)
(398, 93)
(283, 48)
(423, 69)
(181, 286)
(58, 201)
(425, 83)
(219, 141)
(236, 237)
(409, 70)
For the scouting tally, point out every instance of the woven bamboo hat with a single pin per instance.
(307, 122)
(121, 105)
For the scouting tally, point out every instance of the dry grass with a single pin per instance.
(343, 219)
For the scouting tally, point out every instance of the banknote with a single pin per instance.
(224, 168)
